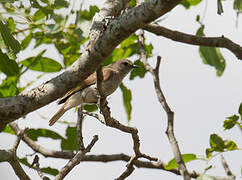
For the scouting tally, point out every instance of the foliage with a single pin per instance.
(211, 55)
(28, 25)
(47, 170)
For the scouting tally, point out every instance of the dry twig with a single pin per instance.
(222, 41)
(170, 132)
(75, 160)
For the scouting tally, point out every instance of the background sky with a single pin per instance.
(201, 102)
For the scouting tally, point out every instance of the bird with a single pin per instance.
(86, 92)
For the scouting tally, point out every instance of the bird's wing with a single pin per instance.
(107, 72)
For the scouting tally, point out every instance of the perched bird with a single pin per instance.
(87, 92)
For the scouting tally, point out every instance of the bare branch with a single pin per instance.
(97, 116)
(98, 157)
(129, 169)
(109, 121)
(37, 166)
(98, 49)
(75, 160)
(79, 129)
(170, 133)
(221, 42)
(226, 168)
(19, 137)
(10, 156)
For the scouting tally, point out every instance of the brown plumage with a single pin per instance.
(86, 92)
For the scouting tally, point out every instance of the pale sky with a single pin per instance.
(201, 102)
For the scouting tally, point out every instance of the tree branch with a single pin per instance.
(170, 133)
(11, 157)
(109, 121)
(226, 168)
(98, 49)
(75, 160)
(37, 166)
(221, 42)
(100, 157)
(79, 129)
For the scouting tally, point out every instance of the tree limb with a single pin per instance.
(221, 42)
(226, 168)
(75, 160)
(170, 133)
(98, 49)
(79, 129)
(11, 157)
(101, 157)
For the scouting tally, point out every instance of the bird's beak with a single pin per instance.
(134, 66)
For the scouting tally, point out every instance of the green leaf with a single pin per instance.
(24, 161)
(88, 15)
(128, 47)
(34, 134)
(127, 97)
(140, 71)
(238, 5)
(216, 143)
(9, 88)
(11, 24)
(61, 4)
(90, 107)
(26, 40)
(186, 158)
(8, 66)
(219, 7)
(43, 64)
(211, 55)
(39, 14)
(8, 129)
(230, 122)
(209, 152)
(188, 3)
(240, 109)
(71, 142)
(148, 49)
(132, 3)
(230, 145)
(49, 170)
(9, 40)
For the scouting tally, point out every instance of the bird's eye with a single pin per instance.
(126, 64)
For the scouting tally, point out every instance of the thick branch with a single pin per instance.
(222, 41)
(112, 34)
(10, 156)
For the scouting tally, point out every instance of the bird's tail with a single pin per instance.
(57, 116)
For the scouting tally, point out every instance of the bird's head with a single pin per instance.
(124, 66)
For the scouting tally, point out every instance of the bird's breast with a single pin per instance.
(110, 85)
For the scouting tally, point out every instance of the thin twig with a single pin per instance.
(111, 122)
(75, 160)
(100, 157)
(97, 116)
(11, 157)
(19, 137)
(79, 129)
(226, 167)
(222, 41)
(170, 132)
(37, 166)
